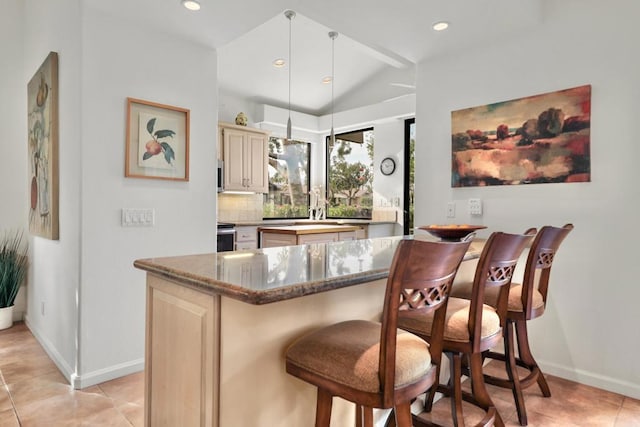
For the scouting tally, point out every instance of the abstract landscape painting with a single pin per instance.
(534, 140)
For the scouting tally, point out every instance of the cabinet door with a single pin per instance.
(245, 156)
(318, 238)
(246, 238)
(233, 149)
(347, 235)
(255, 171)
(272, 240)
(253, 244)
(182, 350)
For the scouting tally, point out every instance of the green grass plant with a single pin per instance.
(13, 266)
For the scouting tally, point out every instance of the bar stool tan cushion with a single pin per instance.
(463, 290)
(348, 353)
(456, 323)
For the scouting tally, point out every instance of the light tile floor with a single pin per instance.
(570, 405)
(33, 393)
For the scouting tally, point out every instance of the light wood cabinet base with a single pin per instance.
(181, 356)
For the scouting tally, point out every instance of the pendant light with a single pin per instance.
(332, 35)
(289, 14)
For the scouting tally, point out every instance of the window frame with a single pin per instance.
(328, 164)
(308, 183)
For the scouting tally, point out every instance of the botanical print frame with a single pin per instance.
(157, 141)
(538, 139)
(42, 108)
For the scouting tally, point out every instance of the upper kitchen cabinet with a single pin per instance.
(245, 154)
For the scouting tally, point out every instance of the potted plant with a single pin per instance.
(13, 269)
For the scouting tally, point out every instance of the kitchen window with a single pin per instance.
(350, 175)
(288, 170)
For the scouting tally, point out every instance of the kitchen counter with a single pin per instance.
(285, 272)
(308, 229)
(299, 221)
(217, 327)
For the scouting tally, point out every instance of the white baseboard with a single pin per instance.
(88, 379)
(595, 380)
(106, 374)
(51, 351)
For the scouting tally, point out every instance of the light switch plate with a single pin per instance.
(475, 207)
(138, 217)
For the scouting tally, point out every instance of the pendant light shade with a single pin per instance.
(332, 35)
(289, 14)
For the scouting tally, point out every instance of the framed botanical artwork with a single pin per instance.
(534, 140)
(42, 107)
(157, 141)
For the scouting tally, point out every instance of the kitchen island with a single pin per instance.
(218, 325)
(272, 236)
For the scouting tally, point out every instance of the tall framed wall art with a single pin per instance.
(42, 104)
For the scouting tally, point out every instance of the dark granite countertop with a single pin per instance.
(276, 274)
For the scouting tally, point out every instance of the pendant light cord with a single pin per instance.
(333, 74)
(289, 14)
(332, 36)
(289, 17)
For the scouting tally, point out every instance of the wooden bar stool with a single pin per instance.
(472, 327)
(527, 300)
(373, 364)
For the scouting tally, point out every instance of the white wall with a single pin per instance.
(13, 104)
(145, 64)
(55, 264)
(388, 189)
(93, 321)
(590, 330)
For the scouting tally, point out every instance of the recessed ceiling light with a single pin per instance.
(440, 26)
(278, 63)
(326, 80)
(191, 4)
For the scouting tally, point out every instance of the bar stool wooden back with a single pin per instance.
(527, 300)
(373, 364)
(472, 327)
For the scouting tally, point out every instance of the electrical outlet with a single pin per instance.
(138, 217)
(451, 210)
(475, 207)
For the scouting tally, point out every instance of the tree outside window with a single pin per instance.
(288, 169)
(350, 175)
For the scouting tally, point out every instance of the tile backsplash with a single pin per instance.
(239, 207)
(248, 207)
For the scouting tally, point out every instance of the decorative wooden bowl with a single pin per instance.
(451, 232)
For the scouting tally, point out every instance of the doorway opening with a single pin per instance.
(409, 175)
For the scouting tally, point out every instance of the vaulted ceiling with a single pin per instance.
(376, 53)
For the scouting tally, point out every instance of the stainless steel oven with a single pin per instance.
(226, 237)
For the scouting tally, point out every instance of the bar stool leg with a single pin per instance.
(323, 408)
(512, 372)
(403, 415)
(479, 389)
(526, 357)
(455, 360)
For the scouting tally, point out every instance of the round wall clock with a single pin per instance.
(387, 166)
